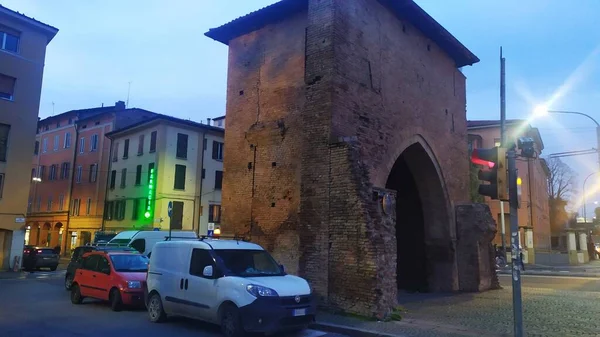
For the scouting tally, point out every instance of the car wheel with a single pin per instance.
(53, 268)
(76, 297)
(116, 304)
(68, 281)
(231, 323)
(155, 309)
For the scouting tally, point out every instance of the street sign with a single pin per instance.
(170, 211)
(211, 229)
(20, 220)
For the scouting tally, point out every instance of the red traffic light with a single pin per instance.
(484, 157)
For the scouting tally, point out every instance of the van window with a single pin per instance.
(139, 245)
(200, 259)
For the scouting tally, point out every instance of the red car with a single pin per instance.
(118, 277)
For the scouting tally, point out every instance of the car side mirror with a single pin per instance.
(106, 271)
(208, 271)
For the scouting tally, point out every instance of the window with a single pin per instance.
(9, 39)
(113, 178)
(49, 206)
(123, 177)
(126, 149)
(115, 152)
(38, 205)
(88, 207)
(103, 266)
(153, 142)
(177, 215)
(64, 174)
(182, 146)
(45, 145)
(7, 87)
(214, 213)
(218, 180)
(93, 173)
(179, 183)
(56, 141)
(150, 167)
(52, 175)
(61, 201)
(138, 175)
(217, 151)
(91, 262)
(94, 143)
(135, 209)
(4, 131)
(81, 145)
(108, 210)
(203, 173)
(119, 209)
(36, 150)
(1, 184)
(139, 245)
(33, 173)
(75, 209)
(201, 259)
(141, 145)
(67, 140)
(42, 172)
(78, 174)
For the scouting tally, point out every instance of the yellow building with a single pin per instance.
(23, 42)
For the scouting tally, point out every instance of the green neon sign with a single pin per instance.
(150, 197)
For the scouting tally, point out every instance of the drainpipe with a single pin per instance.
(203, 152)
(72, 175)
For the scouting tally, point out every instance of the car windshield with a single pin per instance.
(249, 263)
(129, 263)
(118, 242)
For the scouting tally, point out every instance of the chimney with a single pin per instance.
(120, 105)
(208, 121)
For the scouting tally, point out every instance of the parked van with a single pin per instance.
(144, 241)
(235, 284)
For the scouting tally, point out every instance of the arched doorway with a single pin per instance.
(425, 257)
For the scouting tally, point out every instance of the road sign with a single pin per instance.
(170, 211)
(211, 229)
(20, 220)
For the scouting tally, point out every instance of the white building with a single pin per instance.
(165, 161)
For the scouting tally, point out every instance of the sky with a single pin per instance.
(158, 50)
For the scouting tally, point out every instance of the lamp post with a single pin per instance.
(584, 208)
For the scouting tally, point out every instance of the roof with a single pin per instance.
(214, 244)
(81, 113)
(161, 117)
(404, 9)
(218, 118)
(50, 31)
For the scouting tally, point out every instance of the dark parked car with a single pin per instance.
(35, 258)
(76, 259)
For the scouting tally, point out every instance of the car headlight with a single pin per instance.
(134, 284)
(260, 291)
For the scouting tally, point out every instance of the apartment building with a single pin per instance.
(534, 211)
(23, 43)
(69, 173)
(160, 164)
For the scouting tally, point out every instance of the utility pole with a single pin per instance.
(515, 251)
(502, 143)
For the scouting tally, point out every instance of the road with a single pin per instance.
(38, 306)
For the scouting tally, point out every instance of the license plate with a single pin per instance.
(299, 312)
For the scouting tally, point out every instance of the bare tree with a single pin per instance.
(561, 180)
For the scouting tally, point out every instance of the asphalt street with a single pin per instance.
(37, 305)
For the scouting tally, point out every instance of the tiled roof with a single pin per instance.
(493, 123)
(404, 9)
(165, 118)
(53, 29)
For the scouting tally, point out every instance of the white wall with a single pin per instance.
(210, 196)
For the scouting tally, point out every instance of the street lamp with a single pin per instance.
(542, 110)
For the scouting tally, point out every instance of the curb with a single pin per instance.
(349, 331)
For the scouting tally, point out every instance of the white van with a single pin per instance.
(144, 241)
(235, 284)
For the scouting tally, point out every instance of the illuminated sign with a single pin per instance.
(150, 198)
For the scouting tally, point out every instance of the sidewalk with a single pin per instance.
(591, 269)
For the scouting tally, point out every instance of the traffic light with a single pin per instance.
(496, 175)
